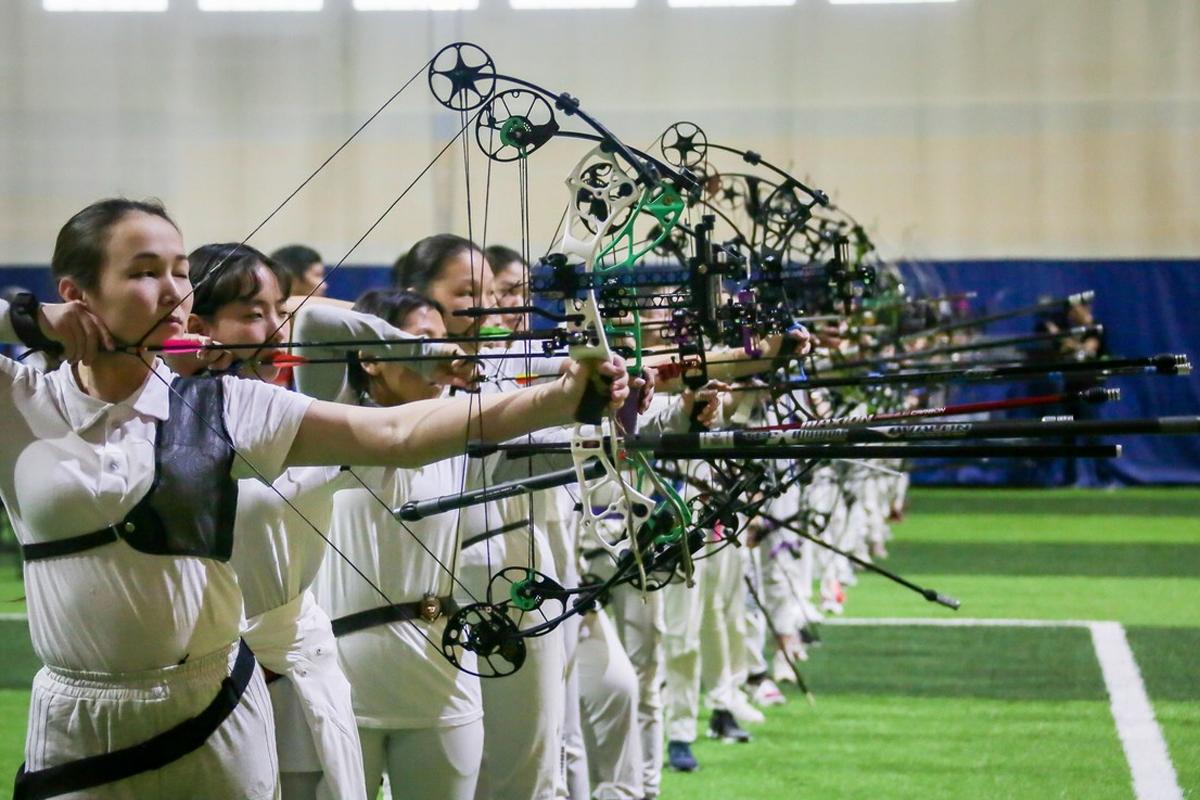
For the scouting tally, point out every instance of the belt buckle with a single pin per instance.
(430, 607)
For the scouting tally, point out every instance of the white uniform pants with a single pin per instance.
(723, 628)
(316, 738)
(424, 763)
(787, 582)
(756, 619)
(73, 715)
(574, 771)
(523, 719)
(638, 620)
(608, 697)
(683, 611)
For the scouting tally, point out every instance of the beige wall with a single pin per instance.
(985, 128)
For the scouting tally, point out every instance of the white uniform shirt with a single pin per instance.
(482, 561)
(276, 552)
(71, 464)
(400, 679)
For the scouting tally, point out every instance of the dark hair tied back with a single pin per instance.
(296, 259)
(228, 273)
(499, 257)
(80, 249)
(423, 263)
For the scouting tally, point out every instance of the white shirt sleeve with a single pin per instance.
(16, 378)
(664, 416)
(262, 420)
(538, 364)
(323, 323)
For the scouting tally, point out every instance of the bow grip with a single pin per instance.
(594, 402)
(627, 415)
(787, 349)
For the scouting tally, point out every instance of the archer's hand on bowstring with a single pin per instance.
(796, 342)
(645, 383)
(206, 356)
(458, 370)
(79, 331)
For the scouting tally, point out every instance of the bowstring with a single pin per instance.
(523, 205)
(477, 396)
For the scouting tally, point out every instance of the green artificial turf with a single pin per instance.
(1180, 724)
(14, 710)
(1097, 528)
(17, 660)
(924, 661)
(1156, 502)
(1108, 560)
(1131, 601)
(1169, 659)
(888, 746)
(12, 590)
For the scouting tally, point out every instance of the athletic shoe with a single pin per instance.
(680, 758)
(781, 670)
(743, 712)
(722, 725)
(832, 596)
(810, 612)
(767, 693)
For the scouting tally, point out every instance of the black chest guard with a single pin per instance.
(191, 505)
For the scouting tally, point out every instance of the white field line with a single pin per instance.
(1145, 749)
(1141, 738)
(960, 622)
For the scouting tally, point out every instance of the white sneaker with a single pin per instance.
(832, 597)
(781, 670)
(767, 694)
(743, 712)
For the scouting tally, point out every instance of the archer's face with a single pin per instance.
(310, 283)
(509, 286)
(144, 279)
(255, 320)
(465, 282)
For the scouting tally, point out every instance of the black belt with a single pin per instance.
(428, 609)
(73, 544)
(154, 753)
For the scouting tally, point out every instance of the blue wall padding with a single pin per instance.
(1147, 307)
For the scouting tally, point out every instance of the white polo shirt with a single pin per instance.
(405, 565)
(71, 464)
(276, 552)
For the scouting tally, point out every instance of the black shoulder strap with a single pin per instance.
(66, 547)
